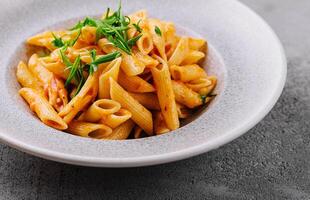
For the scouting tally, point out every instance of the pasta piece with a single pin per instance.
(43, 39)
(112, 70)
(137, 132)
(53, 86)
(160, 126)
(140, 115)
(117, 118)
(162, 81)
(180, 52)
(42, 108)
(169, 31)
(183, 112)
(137, 17)
(26, 79)
(55, 66)
(84, 53)
(145, 43)
(147, 60)
(196, 44)
(171, 38)
(207, 90)
(90, 88)
(193, 57)
(106, 46)
(122, 132)
(88, 35)
(40, 72)
(199, 84)
(158, 40)
(131, 65)
(148, 100)
(101, 108)
(134, 83)
(186, 96)
(80, 105)
(86, 129)
(187, 73)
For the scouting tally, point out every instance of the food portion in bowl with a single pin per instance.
(115, 77)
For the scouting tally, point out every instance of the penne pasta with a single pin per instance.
(137, 132)
(196, 44)
(165, 95)
(160, 126)
(122, 132)
(158, 39)
(180, 53)
(207, 90)
(134, 83)
(90, 89)
(131, 65)
(187, 73)
(145, 43)
(52, 85)
(26, 79)
(148, 100)
(147, 60)
(199, 84)
(92, 130)
(101, 108)
(106, 46)
(42, 108)
(88, 35)
(183, 112)
(79, 105)
(140, 115)
(193, 57)
(55, 66)
(112, 70)
(185, 95)
(115, 119)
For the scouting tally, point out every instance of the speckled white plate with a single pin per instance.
(245, 54)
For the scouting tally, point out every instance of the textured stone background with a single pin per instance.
(272, 161)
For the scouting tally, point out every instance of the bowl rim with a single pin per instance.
(165, 157)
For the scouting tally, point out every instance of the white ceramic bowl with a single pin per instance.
(245, 54)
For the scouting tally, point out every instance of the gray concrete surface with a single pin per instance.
(272, 161)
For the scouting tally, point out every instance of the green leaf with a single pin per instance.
(80, 85)
(133, 41)
(113, 27)
(158, 31)
(73, 71)
(57, 42)
(93, 54)
(203, 98)
(64, 58)
(106, 58)
(107, 13)
(72, 42)
(137, 26)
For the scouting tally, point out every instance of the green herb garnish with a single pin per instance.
(133, 41)
(76, 70)
(57, 42)
(158, 31)
(204, 97)
(138, 28)
(113, 27)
